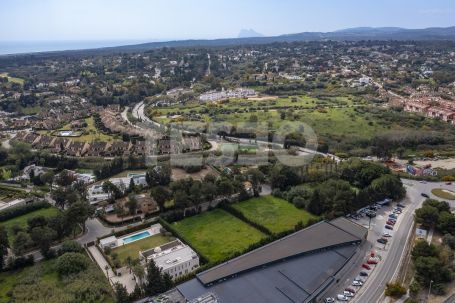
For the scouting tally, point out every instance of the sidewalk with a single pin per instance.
(126, 278)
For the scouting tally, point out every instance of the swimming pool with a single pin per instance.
(136, 237)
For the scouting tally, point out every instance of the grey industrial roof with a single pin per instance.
(314, 238)
(298, 280)
(350, 227)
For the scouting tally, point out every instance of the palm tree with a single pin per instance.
(106, 268)
(129, 263)
(139, 272)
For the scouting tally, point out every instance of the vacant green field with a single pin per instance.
(443, 193)
(40, 283)
(132, 249)
(22, 220)
(275, 214)
(217, 234)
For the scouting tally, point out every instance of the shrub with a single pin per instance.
(70, 246)
(71, 263)
(395, 290)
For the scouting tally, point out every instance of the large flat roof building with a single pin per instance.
(296, 268)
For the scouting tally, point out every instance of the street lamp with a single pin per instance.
(429, 290)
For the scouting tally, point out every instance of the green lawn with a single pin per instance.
(275, 214)
(22, 220)
(90, 133)
(443, 193)
(217, 234)
(40, 283)
(132, 249)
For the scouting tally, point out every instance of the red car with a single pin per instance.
(366, 266)
(390, 222)
(372, 261)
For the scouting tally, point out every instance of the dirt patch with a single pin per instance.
(443, 164)
(178, 173)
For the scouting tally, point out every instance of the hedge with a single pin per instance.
(17, 211)
(241, 216)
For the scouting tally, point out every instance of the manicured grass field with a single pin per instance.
(132, 249)
(275, 214)
(443, 193)
(217, 234)
(22, 220)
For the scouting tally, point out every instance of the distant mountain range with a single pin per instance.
(250, 36)
(351, 34)
(249, 33)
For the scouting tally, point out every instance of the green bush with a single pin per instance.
(71, 263)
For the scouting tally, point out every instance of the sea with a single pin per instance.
(22, 47)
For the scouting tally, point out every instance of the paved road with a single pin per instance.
(373, 289)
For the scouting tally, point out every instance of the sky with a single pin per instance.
(151, 20)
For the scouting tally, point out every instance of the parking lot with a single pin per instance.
(373, 254)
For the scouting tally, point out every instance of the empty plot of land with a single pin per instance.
(178, 173)
(217, 234)
(275, 214)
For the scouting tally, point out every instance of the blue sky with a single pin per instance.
(45, 20)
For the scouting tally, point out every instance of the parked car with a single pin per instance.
(342, 298)
(329, 300)
(449, 183)
(386, 235)
(357, 283)
(363, 274)
(393, 216)
(400, 205)
(425, 195)
(388, 227)
(382, 241)
(348, 294)
(366, 266)
(371, 214)
(358, 278)
(423, 182)
(350, 289)
(372, 261)
(390, 222)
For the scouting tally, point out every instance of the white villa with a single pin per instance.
(96, 194)
(174, 258)
(237, 93)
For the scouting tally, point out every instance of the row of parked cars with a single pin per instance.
(390, 224)
(350, 291)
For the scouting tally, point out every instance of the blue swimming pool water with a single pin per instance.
(136, 237)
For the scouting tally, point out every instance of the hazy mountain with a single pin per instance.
(249, 33)
(350, 34)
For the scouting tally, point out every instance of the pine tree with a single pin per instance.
(154, 281)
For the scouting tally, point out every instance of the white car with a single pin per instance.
(360, 279)
(348, 294)
(342, 298)
(386, 235)
(329, 300)
(356, 283)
